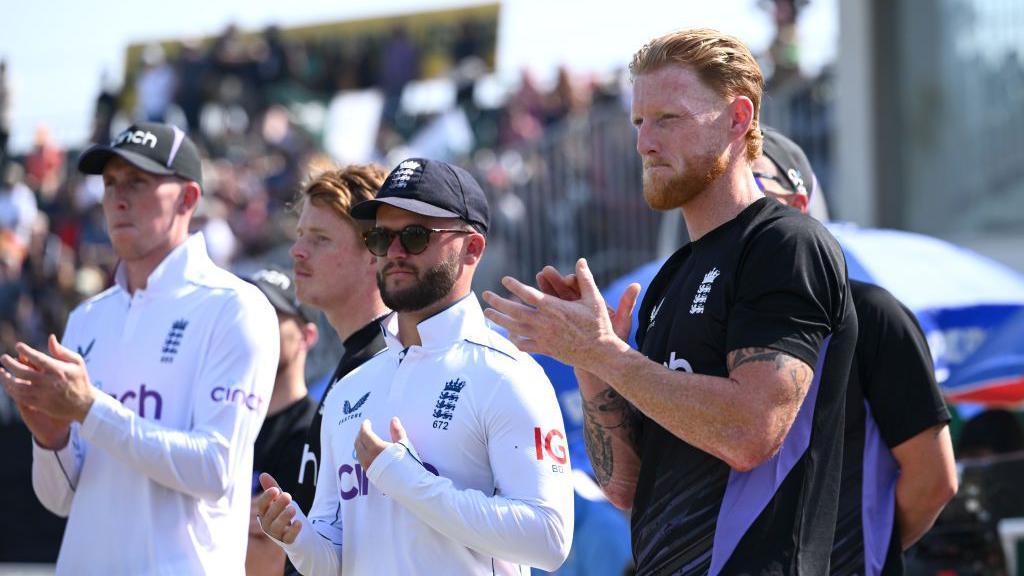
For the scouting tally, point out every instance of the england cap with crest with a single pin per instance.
(431, 188)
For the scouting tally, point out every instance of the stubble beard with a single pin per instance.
(681, 189)
(429, 288)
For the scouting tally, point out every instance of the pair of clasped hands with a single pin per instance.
(562, 318)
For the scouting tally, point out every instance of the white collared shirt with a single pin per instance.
(158, 477)
(486, 488)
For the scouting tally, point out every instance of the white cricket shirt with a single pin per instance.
(487, 488)
(158, 478)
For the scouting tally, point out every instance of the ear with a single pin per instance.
(190, 195)
(741, 116)
(800, 202)
(475, 245)
(310, 335)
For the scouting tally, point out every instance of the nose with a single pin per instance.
(645, 142)
(118, 196)
(395, 248)
(297, 251)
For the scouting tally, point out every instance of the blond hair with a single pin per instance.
(338, 189)
(722, 62)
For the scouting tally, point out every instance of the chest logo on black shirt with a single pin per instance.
(654, 314)
(173, 340)
(351, 411)
(444, 409)
(703, 290)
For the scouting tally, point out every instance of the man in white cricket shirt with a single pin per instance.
(144, 417)
(475, 479)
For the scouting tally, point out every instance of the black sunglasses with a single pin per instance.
(414, 238)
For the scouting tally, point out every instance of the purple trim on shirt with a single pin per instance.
(747, 493)
(878, 504)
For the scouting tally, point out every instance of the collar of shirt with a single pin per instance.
(186, 263)
(463, 320)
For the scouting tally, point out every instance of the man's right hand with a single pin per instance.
(50, 433)
(275, 512)
(553, 283)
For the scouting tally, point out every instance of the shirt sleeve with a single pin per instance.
(529, 518)
(317, 548)
(896, 368)
(240, 361)
(55, 472)
(790, 290)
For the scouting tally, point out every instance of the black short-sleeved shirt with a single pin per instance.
(359, 347)
(769, 278)
(892, 397)
(278, 448)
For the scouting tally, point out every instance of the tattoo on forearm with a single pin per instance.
(602, 414)
(743, 356)
(797, 372)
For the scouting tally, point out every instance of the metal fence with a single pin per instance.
(578, 192)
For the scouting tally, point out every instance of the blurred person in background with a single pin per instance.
(18, 207)
(991, 433)
(144, 417)
(720, 432)
(44, 165)
(279, 446)
(481, 482)
(898, 466)
(155, 85)
(5, 111)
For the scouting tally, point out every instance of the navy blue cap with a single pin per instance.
(431, 188)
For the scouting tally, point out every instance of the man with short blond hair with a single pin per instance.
(336, 274)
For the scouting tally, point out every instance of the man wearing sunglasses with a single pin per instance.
(898, 467)
(475, 478)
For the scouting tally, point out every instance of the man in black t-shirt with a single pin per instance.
(335, 273)
(723, 434)
(290, 411)
(898, 466)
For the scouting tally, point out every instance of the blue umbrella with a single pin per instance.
(994, 374)
(958, 295)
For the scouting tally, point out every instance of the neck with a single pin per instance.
(408, 322)
(289, 387)
(137, 271)
(722, 201)
(348, 317)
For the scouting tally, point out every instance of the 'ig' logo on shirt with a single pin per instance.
(702, 291)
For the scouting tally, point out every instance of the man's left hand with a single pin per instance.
(57, 385)
(369, 445)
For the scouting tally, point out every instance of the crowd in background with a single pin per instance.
(555, 157)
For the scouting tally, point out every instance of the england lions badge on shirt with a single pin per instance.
(447, 401)
(703, 291)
